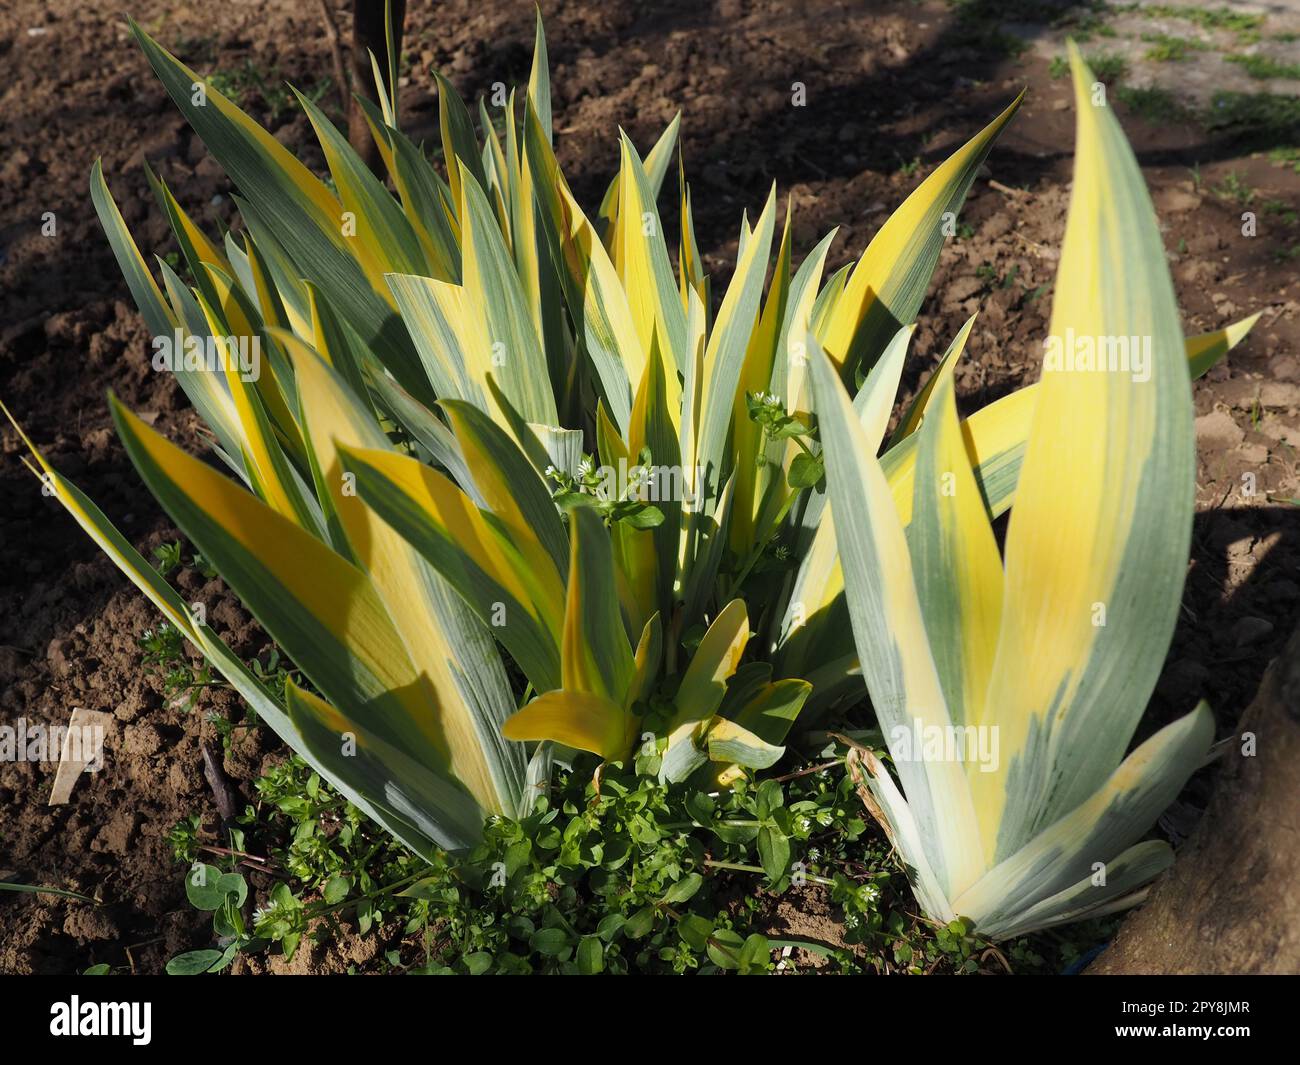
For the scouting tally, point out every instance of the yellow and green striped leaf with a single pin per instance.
(889, 629)
(382, 228)
(996, 434)
(445, 642)
(955, 561)
(523, 608)
(715, 659)
(886, 287)
(509, 486)
(595, 654)
(942, 372)
(321, 609)
(591, 285)
(279, 194)
(1094, 574)
(724, 358)
(1109, 820)
(421, 806)
(643, 263)
(583, 720)
(813, 642)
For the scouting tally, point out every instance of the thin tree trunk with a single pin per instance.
(1231, 902)
(369, 35)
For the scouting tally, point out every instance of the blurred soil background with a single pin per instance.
(1206, 92)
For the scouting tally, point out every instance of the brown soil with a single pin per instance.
(887, 83)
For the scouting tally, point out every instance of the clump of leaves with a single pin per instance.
(246, 81)
(1265, 67)
(1288, 155)
(612, 872)
(1234, 188)
(769, 413)
(169, 557)
(1220, 18)
(1266, 119)
(1170, 49)
(616, 495)
(1153, 103)
(1105, 68)
(164, 652)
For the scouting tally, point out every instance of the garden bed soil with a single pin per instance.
(891, 89)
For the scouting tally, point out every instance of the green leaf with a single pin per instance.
(754, 954)
(591, 956)
(549, 941)
(193, 962)
(683, 890)
(289, 944)
(639, 924)
(644, 517)
(336, 889)
(233, 884)
(805, 471)
(695, 930)
(203, 887)
(700, 806)
(36, 889)
(773, 852)
(769, 797)
(227, 956)
(724, 949)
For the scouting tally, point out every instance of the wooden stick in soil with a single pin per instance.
(369, 35)
(808, 771)
(262, 864)
(336, 53)
(223, 791)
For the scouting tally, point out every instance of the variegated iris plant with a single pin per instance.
(417, 513)
(1053, 646)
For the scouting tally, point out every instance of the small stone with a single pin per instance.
(1184, 679)
(1250, 630)
(57, 654)
(115, 835)
(1285, 368)
(142, 740)
(1218, 430)
(86, 923)
(962, 287)
(1277, 430)
(1279, 394)
(1176, 201)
